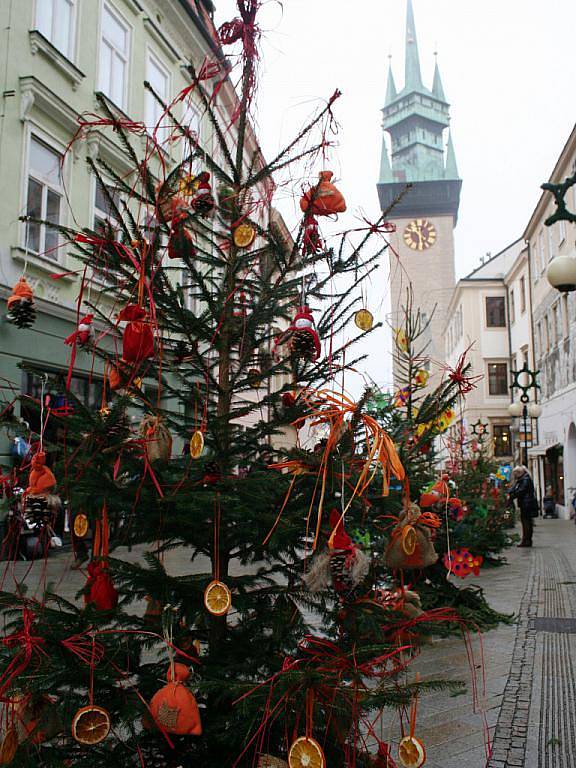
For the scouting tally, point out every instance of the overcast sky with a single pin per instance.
(508, 69)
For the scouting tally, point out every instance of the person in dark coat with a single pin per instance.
(522, 490)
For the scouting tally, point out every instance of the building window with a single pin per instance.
(497, 379)
(159, 79)
(55, 20)
(44, 198)
(551, 245)
(114, 53)
(191, 123)
(495, 312)
(556, 323)
(502, 440)
(541, 253)
(565, 316)
(547, 333)
(512, 307)
(106, 204)
(522, 294)
(561, 231)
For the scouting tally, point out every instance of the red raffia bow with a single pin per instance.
(464, 383)
(29, 645)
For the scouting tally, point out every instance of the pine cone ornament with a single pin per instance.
(21, 309)
(304, 340)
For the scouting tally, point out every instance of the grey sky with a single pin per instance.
(508, 69)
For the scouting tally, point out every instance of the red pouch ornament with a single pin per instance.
(323, 199)
(101, 592)
(174, 707)
(138, 339)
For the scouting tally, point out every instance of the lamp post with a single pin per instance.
(479, 431)
(524, 407)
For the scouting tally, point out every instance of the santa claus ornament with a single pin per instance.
(21, 309)
(303, 339)
(84, 333)
(203, 201)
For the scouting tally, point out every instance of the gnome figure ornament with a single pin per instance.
(203, 202)
(84, 334)
(21, 308)
(304, 340)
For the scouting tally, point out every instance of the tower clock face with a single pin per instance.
(420, 234)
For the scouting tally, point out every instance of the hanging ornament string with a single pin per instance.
(217, 515)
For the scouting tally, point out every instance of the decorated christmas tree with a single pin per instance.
(224, 434)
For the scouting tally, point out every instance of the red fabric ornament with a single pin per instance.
(180, 242)
(83, 334)
(101, 592)
(438, 494)
(323, 199)
(138, 339)
(288, 400)
(174, 707)
(41, 481)
(311, 242)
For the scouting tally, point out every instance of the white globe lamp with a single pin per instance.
(534, 411)
(561, 273)
(515, 409)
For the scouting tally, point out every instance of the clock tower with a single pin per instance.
(422, 155)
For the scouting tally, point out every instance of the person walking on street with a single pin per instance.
(522, 489)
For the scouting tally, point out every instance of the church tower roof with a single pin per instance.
(417, 119)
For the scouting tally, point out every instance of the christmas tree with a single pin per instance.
(286, 635)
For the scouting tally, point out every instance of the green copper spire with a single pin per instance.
(437, 88)
(412, 76)
(385, 169)
(391, 92)
(451, 167)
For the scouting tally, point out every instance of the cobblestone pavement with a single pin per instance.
(524, 673)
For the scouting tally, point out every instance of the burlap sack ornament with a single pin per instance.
(411, 544)
(269, 761)
(157, 438)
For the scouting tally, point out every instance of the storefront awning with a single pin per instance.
(538, 450)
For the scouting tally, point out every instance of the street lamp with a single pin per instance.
(525, 380)
(561, 273)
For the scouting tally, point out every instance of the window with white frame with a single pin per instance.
(191, 122)
(55, 20)
(107, 203)
(561, 231)
(191, 302)
(159, 78)
(551, 244)
(114, 56)
(541, 253)
(522, 294)
(512, 306)
(43, 198)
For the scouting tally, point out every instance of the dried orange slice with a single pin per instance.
(244, 235)
(196, 444)
(411, 752)
(364, 319)
(91, 725)
(305, 752)
(409, 540)
(217, 598)
(8, 746)
(80, 525)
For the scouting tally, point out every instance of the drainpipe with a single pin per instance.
(508, 325)
(539, 463)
